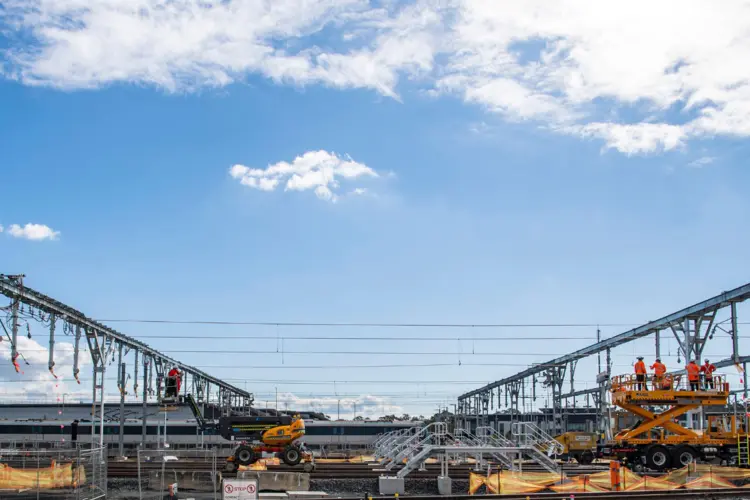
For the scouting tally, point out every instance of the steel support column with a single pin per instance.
(735, 334)
(144, 418)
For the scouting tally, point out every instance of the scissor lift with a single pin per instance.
(657, 440)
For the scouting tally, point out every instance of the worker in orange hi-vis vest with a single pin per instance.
(659, 370)
(708, 370)
(640, 374)
(693, 373)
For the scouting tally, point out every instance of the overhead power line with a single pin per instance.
(431, 339)
(366, 325)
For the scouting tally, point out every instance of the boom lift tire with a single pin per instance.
(658, 457)
(683, 455)
(245, 455)
(291, 455)
(585, 458)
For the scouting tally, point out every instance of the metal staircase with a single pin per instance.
(429, 435)
(537, 444)
(464, 437)
(389, 442)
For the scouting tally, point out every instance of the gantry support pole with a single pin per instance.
(657, 340)
(144, 417)
(735, 334)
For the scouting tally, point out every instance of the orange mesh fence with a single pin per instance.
(603, 479)
(651, 484)
(511, 484)
(506, 482)
(707, 482)
(581, 484)
(475, 482)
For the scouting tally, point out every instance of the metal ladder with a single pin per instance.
(538, 445)
(743, 450)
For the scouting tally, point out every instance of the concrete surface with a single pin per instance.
(445, 485)
(277, 481)
(306, 495)
(388, 485)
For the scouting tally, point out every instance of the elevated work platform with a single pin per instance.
(680, 395)
(669, 390)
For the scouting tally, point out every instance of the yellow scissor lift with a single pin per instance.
(657, 440)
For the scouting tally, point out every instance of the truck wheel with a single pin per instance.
(244, 455)
(658, 457)
(684, 455)
(291, 455)
(585, 458)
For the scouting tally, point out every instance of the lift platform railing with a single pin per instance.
(669, 382)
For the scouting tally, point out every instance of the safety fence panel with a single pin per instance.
(67, 473)
(165, 471)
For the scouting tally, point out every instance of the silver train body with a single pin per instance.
(35, 427)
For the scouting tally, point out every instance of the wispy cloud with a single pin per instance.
(35, 232)
(319, 171)
(702, 161)
(570, 66)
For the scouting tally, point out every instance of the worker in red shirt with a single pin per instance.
(693, 373)
(174, 381)
(640, 374)
(659, 370)
(707, 370)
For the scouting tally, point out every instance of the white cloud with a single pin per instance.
(367, 405)
(676, 69)
(635, 139)
(36, 383)
(319, 171)
(702, 161)
(36, 232)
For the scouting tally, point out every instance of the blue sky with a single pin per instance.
(488, 203)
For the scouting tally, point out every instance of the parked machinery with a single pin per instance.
(278, 434)
(580, 446)
(657, 440)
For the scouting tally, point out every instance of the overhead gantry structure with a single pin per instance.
(691, 327)
(103, 344)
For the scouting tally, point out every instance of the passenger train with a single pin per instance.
(40, 425)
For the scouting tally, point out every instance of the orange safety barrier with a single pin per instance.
(707, 482)
(693, 477)
(580, 484)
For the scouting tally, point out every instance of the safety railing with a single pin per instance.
(390, 442)
(162, 471)
(487, 438)
(669, 382)
(540, 446)
(430, 434)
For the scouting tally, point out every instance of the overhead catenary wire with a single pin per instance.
(362, 324)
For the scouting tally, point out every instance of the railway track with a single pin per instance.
(322, 471)
(610, 495)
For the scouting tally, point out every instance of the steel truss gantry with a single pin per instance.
(692, 327)
(103, 342)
